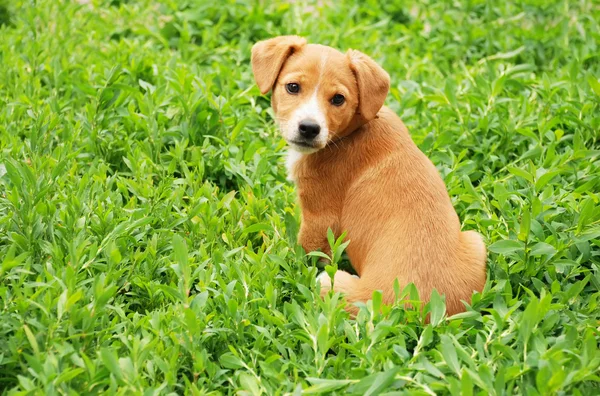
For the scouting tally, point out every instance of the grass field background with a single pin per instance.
(148, 234)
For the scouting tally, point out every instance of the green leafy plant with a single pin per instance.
(148, 234)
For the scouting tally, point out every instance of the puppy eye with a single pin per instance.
(292, 88)
(338, 100)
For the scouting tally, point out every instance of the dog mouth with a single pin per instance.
(304, 147)
(303, 144)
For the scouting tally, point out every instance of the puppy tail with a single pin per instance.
(471, 265)
(473, 248)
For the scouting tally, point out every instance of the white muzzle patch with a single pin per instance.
(307, 111)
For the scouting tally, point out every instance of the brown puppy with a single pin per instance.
(357, 170)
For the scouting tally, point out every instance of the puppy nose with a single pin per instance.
(309, 129)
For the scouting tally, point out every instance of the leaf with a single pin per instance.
(426, 337)
(68, 375)
(250, 383)
(108, 97)
(339, 247)
(60, 305)
(377, 299)
(575, 290)
(291, 228)
(114, 253)
(10, 261)
(227, 199)
(326, 385)
(528, 320)
(318, 254)
(588, 235)
(330, 238)
(431, 369)
(146, 86)
(296, 313)
(545, 179)
(542, 248)
(180, 249)
(466, 383)
(594, 83)
(257, 227)
(238, 128)
(505, 55)
(111, 362)
(199, 301)
(437, 308)
(183, 267)
(232, 305)
(449, 354)
(323, 338)
(375, 384)
(32, 340)
(506, 246)
(230, 361)
(26, 383)
(525, 225)
(498, 85)
(450, 91)
(521, 173)
(586, 213)
(396, 288)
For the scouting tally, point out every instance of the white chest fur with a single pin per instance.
(292, 160)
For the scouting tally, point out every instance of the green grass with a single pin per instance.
(148, 234)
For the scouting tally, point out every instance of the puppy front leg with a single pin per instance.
(313, 233)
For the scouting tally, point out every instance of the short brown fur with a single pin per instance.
(371, 181)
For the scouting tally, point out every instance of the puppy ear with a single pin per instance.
(268, 57)
(373, 83)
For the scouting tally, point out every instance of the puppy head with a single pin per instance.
(319, 94)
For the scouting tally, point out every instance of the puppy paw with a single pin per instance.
(325, 281)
